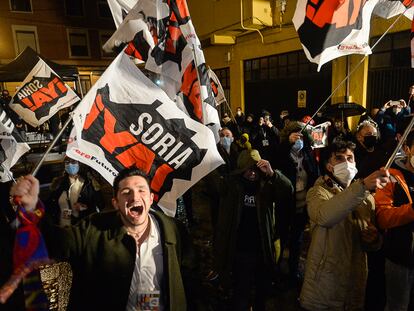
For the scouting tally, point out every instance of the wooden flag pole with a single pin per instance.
(52, 144)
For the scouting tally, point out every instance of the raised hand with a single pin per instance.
(26, 189)
(377, 179)
(265, 167)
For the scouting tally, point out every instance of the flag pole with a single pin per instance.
(199, 80)
(52, 144)
(80, 87)
(400, 143)
(356, 67)
(8, 173)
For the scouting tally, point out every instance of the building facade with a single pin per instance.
(69, 32)
(256, 44)
(251, 44)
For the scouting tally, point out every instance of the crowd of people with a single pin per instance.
(272, 188)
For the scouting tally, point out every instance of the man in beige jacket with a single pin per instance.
(341, 214)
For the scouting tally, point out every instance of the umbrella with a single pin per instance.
(343, 110)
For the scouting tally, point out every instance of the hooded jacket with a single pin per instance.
(272, 193)
(395, 214)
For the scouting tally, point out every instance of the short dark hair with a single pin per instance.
(129, 172)
(340, 145)
(337, 145)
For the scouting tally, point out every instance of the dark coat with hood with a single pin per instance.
(272, 192)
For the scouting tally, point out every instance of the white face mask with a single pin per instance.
(345, 172)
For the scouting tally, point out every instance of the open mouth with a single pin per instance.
(136, 210)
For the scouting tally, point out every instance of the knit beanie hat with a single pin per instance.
(246, 159)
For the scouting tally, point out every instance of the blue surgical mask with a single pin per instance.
(298, 145)
(72, 168)
(226, 142)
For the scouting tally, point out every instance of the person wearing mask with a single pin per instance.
(267, 138)
(229, 152)
(296, 162)
(390, 115)
(74, 195)
(246, 229)
(395, 215)
(342, 217)
(370, 156)
(367, 138)
(124, 257)
(248, 126)
(239, 116)
(227, 149)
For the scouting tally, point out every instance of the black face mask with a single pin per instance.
(370, 141)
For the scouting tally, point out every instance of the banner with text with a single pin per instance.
(41, 95)
(126, 120)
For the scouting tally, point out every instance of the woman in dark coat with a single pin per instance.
(296, 161)
(74, 195)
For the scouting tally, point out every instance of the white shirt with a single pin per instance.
(149, 266)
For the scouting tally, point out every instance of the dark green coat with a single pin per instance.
(102, 256)
(273, 193)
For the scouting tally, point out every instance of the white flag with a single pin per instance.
(162, 35)
(125, 120)
(12, 146)
(41, 95)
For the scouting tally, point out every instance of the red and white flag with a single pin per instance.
(126, 120)
(218, 91)
(161, 34)
(12, 146)
(331, 29)
(41, 95)
(319, 134)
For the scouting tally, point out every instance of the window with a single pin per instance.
(25, 36)
(273, 67)
(85, 81)
(103, 9)
(21, 5)
(392, 51)
(103, 37)
(74, 7)
(78, 43)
